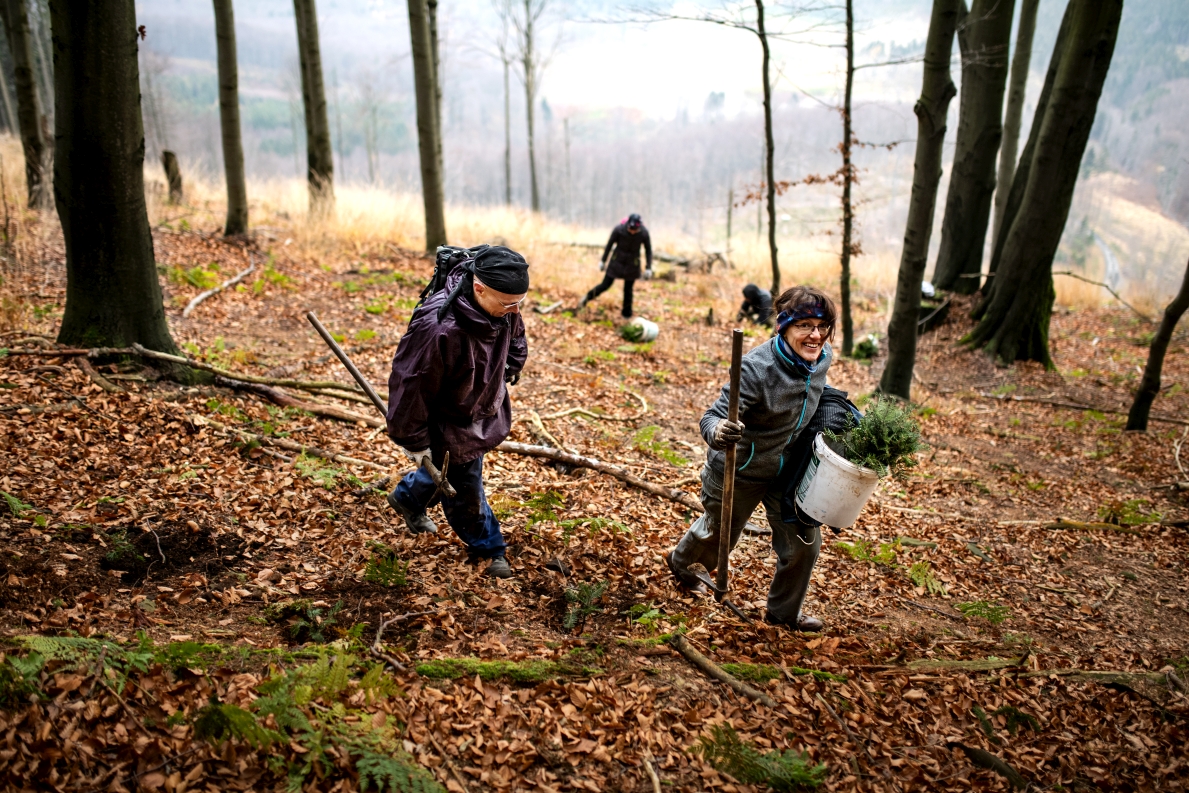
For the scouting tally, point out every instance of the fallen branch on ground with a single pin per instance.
(673, 494)
(1062, 523)
(34, 410)
(230, 282)
(715, 671)
(984, 759)
(1075, 406)
(96, 378)
(281, 399)
(1117, 296)
(311, 451)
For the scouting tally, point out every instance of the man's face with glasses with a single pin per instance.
(497, 304)
(806, 337)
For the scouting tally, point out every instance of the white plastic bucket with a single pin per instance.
(834, 490)
(649, 329)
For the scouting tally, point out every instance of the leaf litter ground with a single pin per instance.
(206, 576)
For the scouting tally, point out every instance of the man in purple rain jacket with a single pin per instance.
(449, 392)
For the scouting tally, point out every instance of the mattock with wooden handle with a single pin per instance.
(439, 477)
(719, 587)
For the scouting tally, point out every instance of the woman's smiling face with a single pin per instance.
(806, 337)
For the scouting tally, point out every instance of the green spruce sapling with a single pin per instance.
(885, 441)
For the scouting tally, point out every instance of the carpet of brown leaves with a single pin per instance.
(227, 530)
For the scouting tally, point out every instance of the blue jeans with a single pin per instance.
(467, 513)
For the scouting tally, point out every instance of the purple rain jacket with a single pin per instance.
(446, 390)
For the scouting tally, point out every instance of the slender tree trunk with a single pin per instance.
(319, 155)
(29, 108)
(507, 131)
(1014, 322)
(936, 92)
(432, 9)
(528, 63)
(427, 127)
(1019, 182)
(45, 72)
(173, 176)
(233, 147)
(1012, 118)
(848, 178)
(769, 150)
(113, 297)
(983, 39)
(1149, 384)
(10, 116)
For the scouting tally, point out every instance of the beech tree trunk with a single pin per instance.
(173, 176)
(848, 178)
(233, 147)
(10, 116)
(937, 90)
(113, 298)
(1017, 84)
(1149, 385)
(1014, 317)
(529, 65)
(319, 156)
(29, 107)
(427, 127)
(507, 131)
(431, 7)
(769, 150)
(1015, 195)
(983, 39)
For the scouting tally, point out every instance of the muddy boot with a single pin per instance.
(418, 523)
(499, 568)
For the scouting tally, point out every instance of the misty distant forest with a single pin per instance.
(675, 161)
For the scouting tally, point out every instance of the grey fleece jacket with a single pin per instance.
(777, 397)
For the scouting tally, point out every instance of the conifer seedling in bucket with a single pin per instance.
(847, 466)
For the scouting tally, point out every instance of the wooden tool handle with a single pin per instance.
(342, 356)
(728, 472)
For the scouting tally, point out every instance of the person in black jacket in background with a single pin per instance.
(626, 239)
(757, 305)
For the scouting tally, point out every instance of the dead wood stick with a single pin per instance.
(401, 618)
(1071, 274)
(230, 282)
(846, 729)
(1076, 406)
(378, 484)
(312, 451)
(715, 671)
(652, 775)
(673, 494)
(984, 759)
(449, 763)
(137, 349)
(1062, 523)
(280, 398)
(923, 607)
(388, 659)
(90, 371)
(34, 410)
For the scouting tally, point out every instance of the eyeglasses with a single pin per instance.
(807, 329)
(511, 306)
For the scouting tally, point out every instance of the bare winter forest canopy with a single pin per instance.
(227, 563)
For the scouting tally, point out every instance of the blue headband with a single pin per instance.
(807, 311)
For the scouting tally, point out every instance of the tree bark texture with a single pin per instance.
(427, 127)
(1019, 180)
(769, 150)
(113, 298)
(1014, 317)
(319, 156)
(10, 115)
(431, 6)
(937, 90)
(29, 106)
(848, 178)
(1149, 384)
(983, 39)
(233, 147)
(173, 176)
(1016, 88)
(507, 130)
(529, 64)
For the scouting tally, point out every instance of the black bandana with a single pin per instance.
(500, 268)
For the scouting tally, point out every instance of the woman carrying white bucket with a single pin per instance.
(779, 388)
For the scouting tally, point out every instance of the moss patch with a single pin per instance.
(517, 671)
(818, 674)
(753, 673)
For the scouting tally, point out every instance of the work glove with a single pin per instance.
(418, 458)
(509, 377)
(739, 317)
(602, 265)
(726, 434)
(648, 274)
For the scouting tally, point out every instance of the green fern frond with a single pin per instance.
(781, 771)
(221, 721)
(395, 773)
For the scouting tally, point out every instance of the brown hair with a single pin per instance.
(798, 298)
